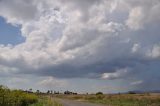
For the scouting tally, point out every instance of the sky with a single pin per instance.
(6, 30)
(80, 45)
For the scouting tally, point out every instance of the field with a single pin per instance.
(118, 99)
(20, 98)
(16, 97)
(46, 101)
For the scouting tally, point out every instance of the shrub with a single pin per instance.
(16, 97)
(99, 93)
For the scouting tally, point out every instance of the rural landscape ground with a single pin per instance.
(28, 98)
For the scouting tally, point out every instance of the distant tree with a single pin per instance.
(51, 92)
(70, 93)
(37, 91)
(48, 91)
(75, 93)
(30, 90)
(99, 93)
(56, 92)
(67, 92)
(131, 92)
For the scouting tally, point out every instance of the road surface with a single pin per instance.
(66, 102)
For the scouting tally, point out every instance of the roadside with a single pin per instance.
(67, 102)
(46, 101)
(145, 99)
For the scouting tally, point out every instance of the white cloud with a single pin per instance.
(135, 18)
(154, 52)
(116, 75)
(18, 11)
(137, 82)
(135, 47)
(142, 13)
(51, 82)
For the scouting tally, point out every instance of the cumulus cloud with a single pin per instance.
(142, 13)
(135, 18)
(154, 52)
(77, 39)
(116, 75)
(18, 11)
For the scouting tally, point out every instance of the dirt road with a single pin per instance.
(66, 102)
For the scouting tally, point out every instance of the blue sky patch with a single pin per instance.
(9, 34)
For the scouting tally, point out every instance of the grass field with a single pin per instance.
(10, 97)
(118, 99)
(46, 101)
(16, 97)
(20, 98)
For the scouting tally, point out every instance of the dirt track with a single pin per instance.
(66, 102)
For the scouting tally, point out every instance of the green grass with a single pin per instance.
(20, 98)
(16, 97)
(45, 101)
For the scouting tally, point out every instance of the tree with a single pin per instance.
(48, 91)
(30, 90)
(99, 93)
(37, 91)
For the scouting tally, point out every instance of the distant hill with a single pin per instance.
(141, 92)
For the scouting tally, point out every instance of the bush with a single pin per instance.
(99, 93)
(131, 92)
(16, 97)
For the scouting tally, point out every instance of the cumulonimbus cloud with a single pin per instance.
(73, 38)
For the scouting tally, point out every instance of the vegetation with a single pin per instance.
(16, 97)
(45, 101)
(22, 98)
(99, 93)
(118, 99)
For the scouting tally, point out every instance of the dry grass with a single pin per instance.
(46, 101)
(119, 99)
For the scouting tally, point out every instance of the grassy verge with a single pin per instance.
(45, 101)
(119, 99)
(16, 97)
(10, 97)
